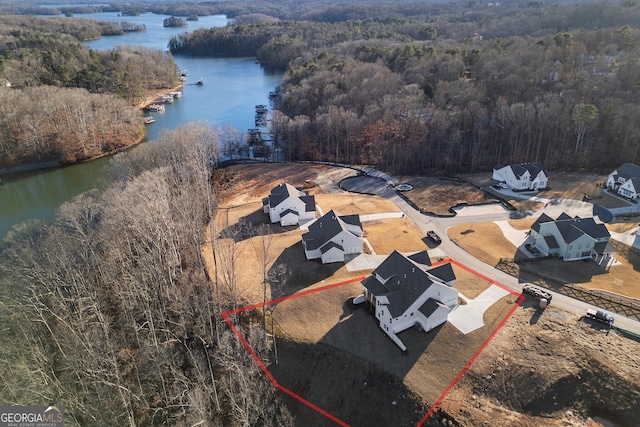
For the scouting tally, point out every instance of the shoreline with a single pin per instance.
(52, 164)
(152, 98)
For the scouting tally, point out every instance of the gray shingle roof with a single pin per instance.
(429, 307)
(604, 248)
(628, 170)
(443, 272)
(330, 245)
(309, 203)
(551, 242)
(405, 282)
(573, 228)
(283, 191)
(324, 229)
(563, 216)
(533, 168)
(288, 211)
(541, 220)
(421, 257)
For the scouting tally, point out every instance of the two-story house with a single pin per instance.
(625, 181)
(572, 238)
(524, 176)
(405, 292)
(288, 205)
(332, 237)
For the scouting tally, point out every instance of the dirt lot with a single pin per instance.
(550, 368)
(438, 195)
(541, 369)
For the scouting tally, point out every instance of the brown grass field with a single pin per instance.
(486, 242)
(322, 318)
(325, 322)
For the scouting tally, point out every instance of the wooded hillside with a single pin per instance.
(109, 311)
(64, 102)
(455, 92)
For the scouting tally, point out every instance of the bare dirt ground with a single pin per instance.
(438, 195)
(550, 368)
(542, 368)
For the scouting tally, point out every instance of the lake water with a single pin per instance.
(232, 88)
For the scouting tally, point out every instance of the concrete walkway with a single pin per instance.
(469, 317)
(516, 237)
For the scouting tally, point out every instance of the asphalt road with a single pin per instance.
(484, 213)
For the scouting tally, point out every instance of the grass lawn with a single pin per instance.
(486, 242)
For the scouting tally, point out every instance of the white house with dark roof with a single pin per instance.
(572, 238)
(523, 176)
(288, 205)
(625, 181)
(405, 292)
(332, 237)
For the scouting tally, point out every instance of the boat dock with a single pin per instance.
(156, 108)
(261, 115)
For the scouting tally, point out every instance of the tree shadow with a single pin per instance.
(630, 253)
(359, 333)
(356, 361)
(521, 214)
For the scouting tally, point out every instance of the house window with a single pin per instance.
(580, 246)
(588, 244)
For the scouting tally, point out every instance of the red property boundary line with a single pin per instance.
(226, 315)
(316, 408)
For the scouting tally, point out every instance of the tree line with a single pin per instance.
(457, 92)
(109, 310)
(66, 102)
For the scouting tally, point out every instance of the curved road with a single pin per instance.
(484, 213)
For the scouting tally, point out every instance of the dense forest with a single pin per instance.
(109, 311)
(456, 92)
(64, 102)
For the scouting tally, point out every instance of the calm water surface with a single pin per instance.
(232, 87)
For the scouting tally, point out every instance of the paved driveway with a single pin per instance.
(377, 186)
(467, 318)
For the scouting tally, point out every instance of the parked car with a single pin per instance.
(531, 248)
(543, 296)
(434, 236)
(600, 316)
